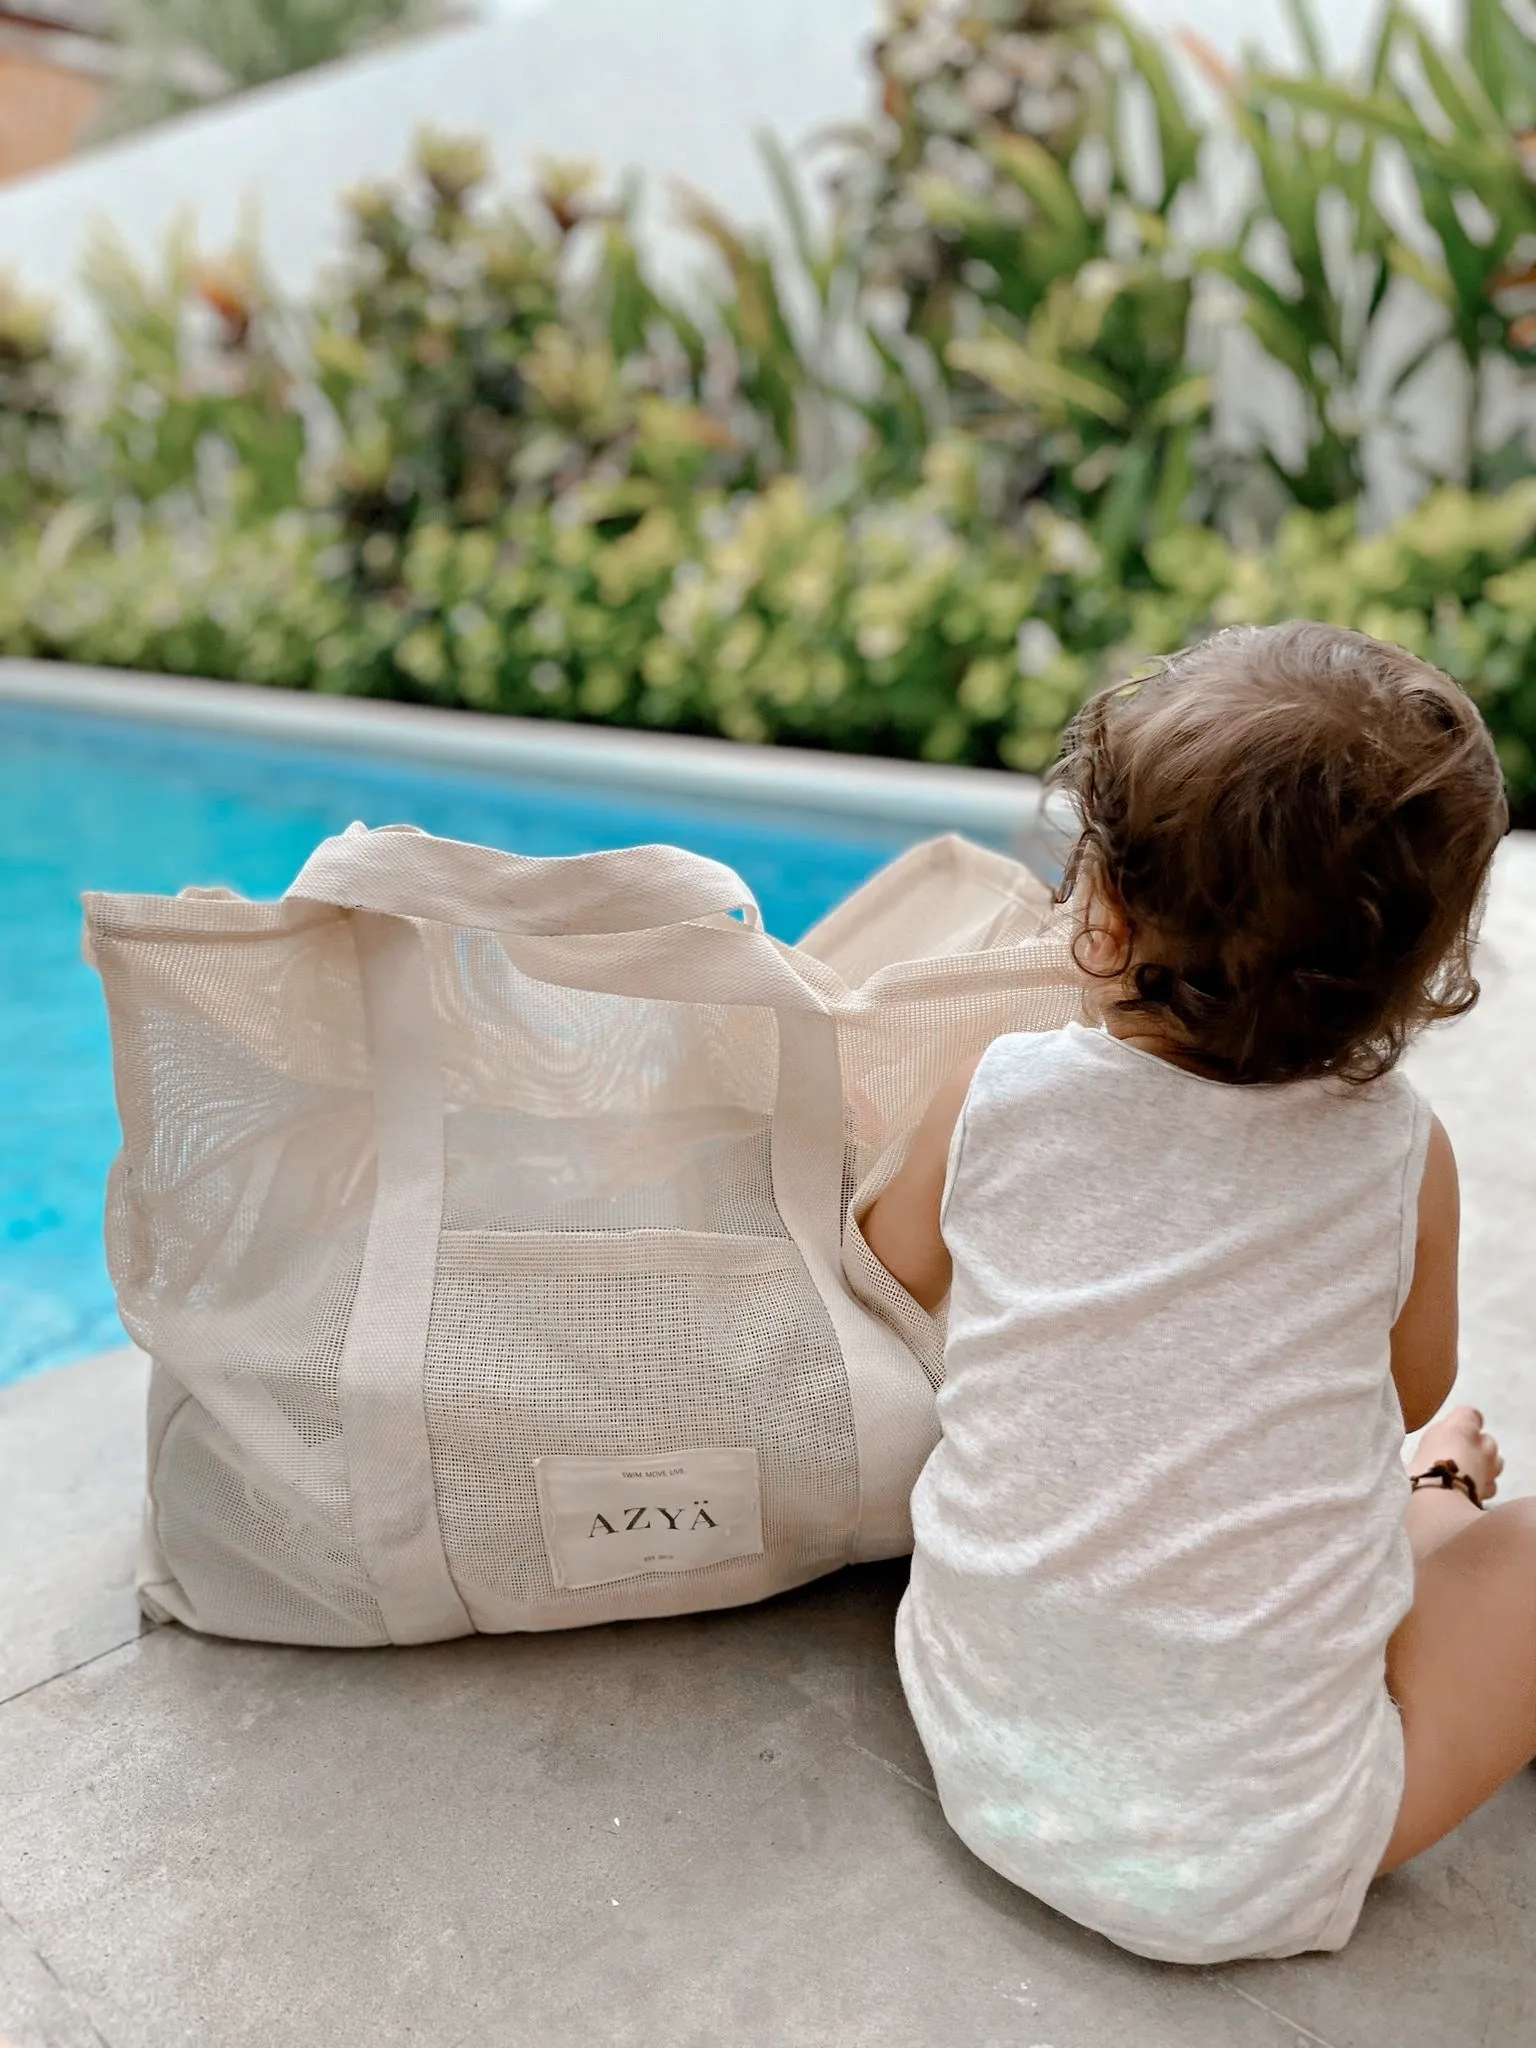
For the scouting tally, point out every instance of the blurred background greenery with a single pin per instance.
(173, 55)
(909, 472)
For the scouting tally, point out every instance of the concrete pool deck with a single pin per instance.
(713, 1831)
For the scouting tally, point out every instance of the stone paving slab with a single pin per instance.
(1444, 1952)
(1480, 1074)
(35, 2009)
(718, 1831)
(673, 1828)
(554, 1840)
(72, 1452)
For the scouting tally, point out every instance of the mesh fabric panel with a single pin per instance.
(251, 1558)
(236, 1217)
(646, 1342)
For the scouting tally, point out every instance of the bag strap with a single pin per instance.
(399, 871)
(392, 1489)
(629, 923)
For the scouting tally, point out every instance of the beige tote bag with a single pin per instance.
(487, 1222)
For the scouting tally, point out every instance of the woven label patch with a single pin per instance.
(615, 1518)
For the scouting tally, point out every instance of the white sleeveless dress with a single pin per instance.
(1160, 1548)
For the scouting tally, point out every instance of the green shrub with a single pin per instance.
(1014, 209)
(475, 357)
(34, 382)
(1326, 152)
(1455, 582)
(1024, 192)
(203, 398)
(241, 605)
(183, 53)
(770, 618)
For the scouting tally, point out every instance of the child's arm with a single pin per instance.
(1424, 1335)
(901, 1227)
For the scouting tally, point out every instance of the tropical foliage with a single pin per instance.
(910, 473)
(182, 53)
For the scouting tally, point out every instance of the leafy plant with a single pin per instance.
(1023, 236)
(34, 385)
(476, 358)
(201, 399)
(1035, 240)
(245, 604)
(784, 310)
(1453, 581)
(182, 53)
(1339, 249)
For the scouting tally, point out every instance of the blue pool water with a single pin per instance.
(92, 803)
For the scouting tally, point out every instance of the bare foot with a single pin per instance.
(1460, 1437)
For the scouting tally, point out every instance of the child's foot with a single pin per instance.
(1460, 1437)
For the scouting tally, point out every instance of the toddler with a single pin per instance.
(1192, 1657)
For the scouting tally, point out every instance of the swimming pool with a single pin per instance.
(92, 802)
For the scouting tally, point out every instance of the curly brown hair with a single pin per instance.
(1297, 825)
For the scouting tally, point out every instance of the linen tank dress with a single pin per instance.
(1160, 1547)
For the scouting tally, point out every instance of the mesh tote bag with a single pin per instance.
(487, 1221)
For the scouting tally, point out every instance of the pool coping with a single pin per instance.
(921, 796)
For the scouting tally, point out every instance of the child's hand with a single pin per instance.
(1461, 1439)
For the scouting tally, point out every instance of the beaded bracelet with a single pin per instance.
(1448, 1474)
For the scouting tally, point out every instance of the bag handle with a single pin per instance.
(628, 923)
(401, 871)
